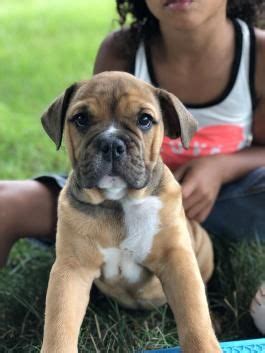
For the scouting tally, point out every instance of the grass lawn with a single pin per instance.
(45, 46)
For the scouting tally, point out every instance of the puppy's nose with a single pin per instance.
(118, 148)
(112, 148)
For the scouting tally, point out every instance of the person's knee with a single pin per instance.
(28, 208)
(8, 210)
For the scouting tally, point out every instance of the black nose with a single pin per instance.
(112, 148)
(118, 148)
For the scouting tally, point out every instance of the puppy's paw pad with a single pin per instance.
(257, 309)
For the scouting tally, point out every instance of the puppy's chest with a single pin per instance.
(141, 224)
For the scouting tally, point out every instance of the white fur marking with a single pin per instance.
(112, 130)
(114, 187)
(112, 259)
(111, 182)
(115, 194)
(129, 268)
(142, 224)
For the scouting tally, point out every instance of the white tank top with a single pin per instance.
(224, 123)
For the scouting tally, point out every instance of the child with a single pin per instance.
(213, 61)
(200, 51)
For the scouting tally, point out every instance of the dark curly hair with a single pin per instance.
(145, 24)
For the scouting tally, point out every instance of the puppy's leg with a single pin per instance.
(203, 249)
(173, 260)
(66, 302)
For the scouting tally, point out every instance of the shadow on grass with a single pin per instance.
(110, 328)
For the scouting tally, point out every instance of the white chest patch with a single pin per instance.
(142, 224)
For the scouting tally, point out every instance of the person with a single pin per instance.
(208, 54)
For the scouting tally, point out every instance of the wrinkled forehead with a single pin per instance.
(114, 92)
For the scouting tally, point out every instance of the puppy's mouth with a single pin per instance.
(113, 164)
(111, 182)
(114, 187)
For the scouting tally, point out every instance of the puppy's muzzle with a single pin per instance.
(112, 148)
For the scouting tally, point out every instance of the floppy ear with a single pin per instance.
(54, 117)
(178, 121)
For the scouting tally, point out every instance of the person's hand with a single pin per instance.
(201, 180)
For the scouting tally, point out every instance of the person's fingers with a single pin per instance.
(192, 200)
(202, 213)
(188, 186)
(180, 172)
(198, 209)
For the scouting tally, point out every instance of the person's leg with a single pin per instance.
(239, 214)
(239, 210)
(27, 208)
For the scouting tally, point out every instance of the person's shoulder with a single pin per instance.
(260, 59)
(116, 52)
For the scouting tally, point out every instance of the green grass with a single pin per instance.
(110, 328)
(45, 46)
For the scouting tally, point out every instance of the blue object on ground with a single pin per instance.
(247, 346)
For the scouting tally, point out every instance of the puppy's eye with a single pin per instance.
(145, 121)
(80, 120)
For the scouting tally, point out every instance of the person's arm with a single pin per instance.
(243, 162)
(202, 178)
(259, 117)
(116, 53)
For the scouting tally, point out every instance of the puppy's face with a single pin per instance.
(114, 129)
(114, 126)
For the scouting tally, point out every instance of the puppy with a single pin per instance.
(121, 222)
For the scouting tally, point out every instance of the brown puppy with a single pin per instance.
(121, 221)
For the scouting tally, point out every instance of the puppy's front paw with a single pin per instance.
(257, 309)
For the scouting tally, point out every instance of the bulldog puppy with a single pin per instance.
(121, 222)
